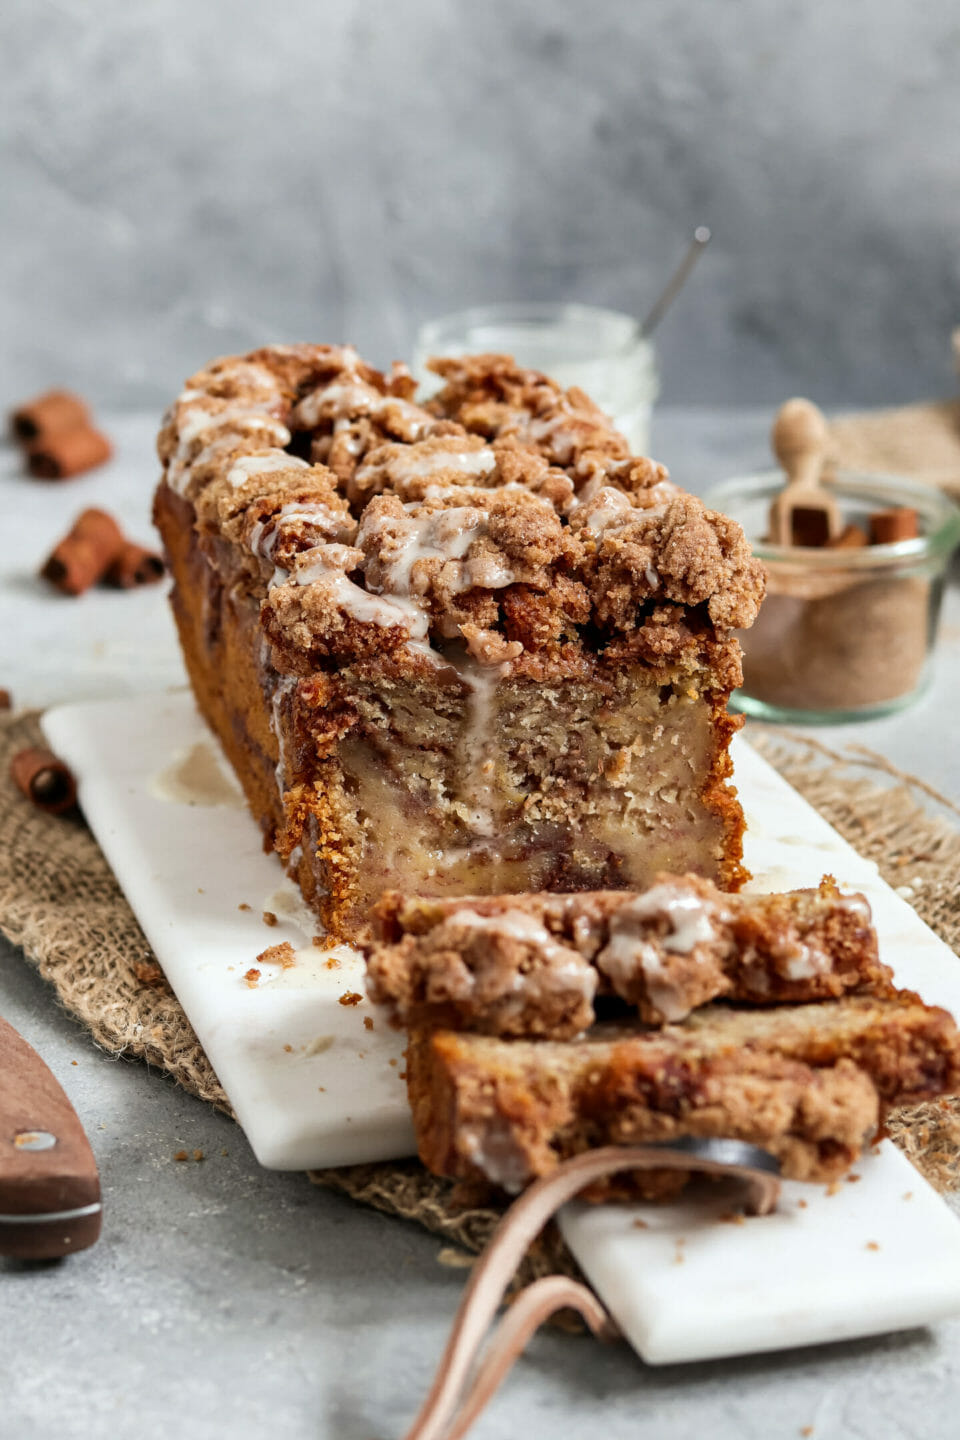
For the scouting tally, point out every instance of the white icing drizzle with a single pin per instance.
(328, 564)
(560, 429)
(444, 535)
(246, 466)
(266, 534)
(285, 684)
(480, 745)
(565, 971)
(691, 919)
(609, 509)
(801, 961)
(197, 420)
(415, 467)
(858, 905)
(632, 950)
(240, 418)
(516, 924)
(663, 492)
(351, 397)
(491, 1147)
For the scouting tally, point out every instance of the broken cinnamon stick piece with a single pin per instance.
(84, 555)
(6, 700)
(851, 537)
(49, 414)
(889, 526)
(68, 452)
(44, 779)
(134, 565)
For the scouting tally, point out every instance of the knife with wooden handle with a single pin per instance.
(49, 1186)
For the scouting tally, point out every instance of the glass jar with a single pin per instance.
(843, 634)
(602, 351)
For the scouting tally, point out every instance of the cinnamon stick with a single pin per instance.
(134, 565)
(84, 555)
(49, 414)
(44, 779)
(6, 700)
(65, 453)
(851, 537)
(889, 526)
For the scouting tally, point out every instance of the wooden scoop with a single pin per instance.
(803, 513)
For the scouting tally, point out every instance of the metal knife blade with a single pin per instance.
(50, 1203)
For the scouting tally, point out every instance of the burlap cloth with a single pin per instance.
(922, 441)
(60, 902)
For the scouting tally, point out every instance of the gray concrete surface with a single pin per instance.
(224, 1302)
(185, 179)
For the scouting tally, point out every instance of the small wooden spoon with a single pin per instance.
(803, 513)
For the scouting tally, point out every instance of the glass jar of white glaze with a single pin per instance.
(601, 351)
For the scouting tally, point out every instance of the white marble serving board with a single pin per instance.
(309, 1082)
(316, 1083)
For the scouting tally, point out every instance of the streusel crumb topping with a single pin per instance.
(506, 513)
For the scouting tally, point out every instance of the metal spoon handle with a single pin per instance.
(700, 241)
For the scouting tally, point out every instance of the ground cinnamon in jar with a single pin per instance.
(847, 629)
(833, 641)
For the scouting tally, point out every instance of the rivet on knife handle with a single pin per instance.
(49, 1186)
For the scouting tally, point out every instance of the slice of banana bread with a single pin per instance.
(532, 965)
(810, 1083)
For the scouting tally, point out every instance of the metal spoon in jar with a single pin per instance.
(700, 241)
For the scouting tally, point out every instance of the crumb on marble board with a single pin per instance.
(282, 954)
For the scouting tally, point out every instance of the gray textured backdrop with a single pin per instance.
(183, 178)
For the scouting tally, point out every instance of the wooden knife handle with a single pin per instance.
(49, 1185)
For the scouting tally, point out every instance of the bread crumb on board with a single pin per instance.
(282, 954)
